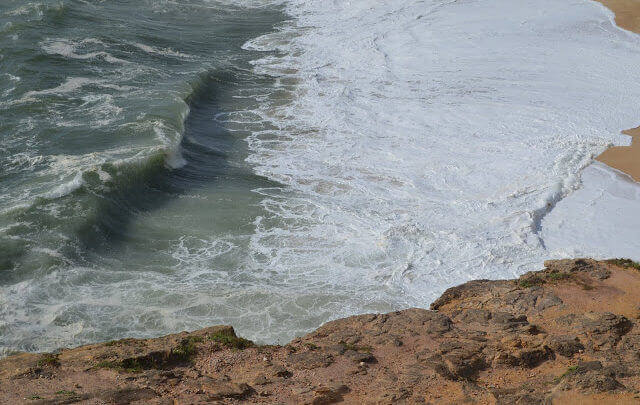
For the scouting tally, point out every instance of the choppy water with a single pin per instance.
(126, 206)
(168, 165)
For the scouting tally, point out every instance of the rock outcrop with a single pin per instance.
(566, 334)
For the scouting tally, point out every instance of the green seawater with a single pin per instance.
(126, 204)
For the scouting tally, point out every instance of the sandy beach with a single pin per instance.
(627, 13)
(625, 158)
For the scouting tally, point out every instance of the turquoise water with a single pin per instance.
(126, 205)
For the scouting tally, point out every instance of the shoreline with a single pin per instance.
(627, 13)
(567, 334)
(625, 158)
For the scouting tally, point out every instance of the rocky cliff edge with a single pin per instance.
(566, 334)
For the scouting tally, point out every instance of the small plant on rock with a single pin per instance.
(555, 276)
(231, 341)
(49, 360)
(570, 371)
(356, 348)
(66, 393)
(128, 365)
(187, 348)
(624, 263)
(312, 346)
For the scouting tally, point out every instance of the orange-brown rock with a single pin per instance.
(566, 334)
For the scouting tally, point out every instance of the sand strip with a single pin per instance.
(625, 158)
(627, 13)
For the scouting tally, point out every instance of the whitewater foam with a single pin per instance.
(65, 188)
(69, 48)
(427, 142)
(72, 84)
(163, 52)
(598, 219)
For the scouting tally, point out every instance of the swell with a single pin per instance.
(96, 216)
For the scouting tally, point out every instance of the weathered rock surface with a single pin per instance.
(566, 334)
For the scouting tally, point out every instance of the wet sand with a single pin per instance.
(627, 13)
(625, 158)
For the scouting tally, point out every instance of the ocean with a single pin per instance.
(170, 165)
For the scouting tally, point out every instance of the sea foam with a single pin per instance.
(426, 143)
